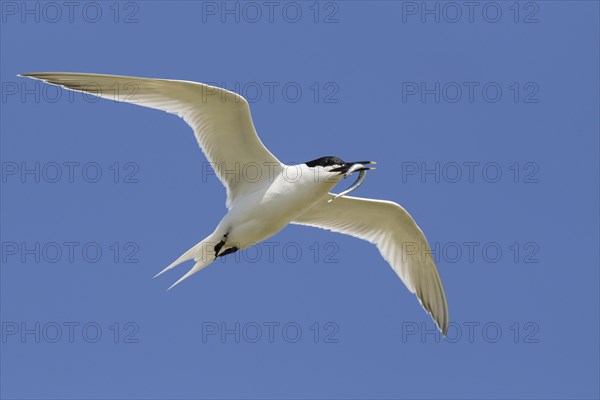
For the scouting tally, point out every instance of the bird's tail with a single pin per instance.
(202, 253)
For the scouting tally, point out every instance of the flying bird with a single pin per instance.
(260, 207)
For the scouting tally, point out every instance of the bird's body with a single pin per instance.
(264, 210)
(273, 195)
(260, 214)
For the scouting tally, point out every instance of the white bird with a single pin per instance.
(277, 194)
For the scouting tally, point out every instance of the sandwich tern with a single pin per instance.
(259, 208)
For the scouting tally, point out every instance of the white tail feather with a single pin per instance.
(188, 255)
(201, 253)
(197, 267)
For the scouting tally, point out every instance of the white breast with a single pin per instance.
(262, 213)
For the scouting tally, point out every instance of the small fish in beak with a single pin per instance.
(353, 168)
(350, 168)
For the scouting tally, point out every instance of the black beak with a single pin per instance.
(346, 167)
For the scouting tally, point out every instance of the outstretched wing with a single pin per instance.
(398, 238)
(220, 119)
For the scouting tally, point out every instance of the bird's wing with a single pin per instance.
(398, 238)
(221, 120)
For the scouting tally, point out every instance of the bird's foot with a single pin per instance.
(229, 251)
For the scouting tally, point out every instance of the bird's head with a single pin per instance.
(338, 167)
(333, 169)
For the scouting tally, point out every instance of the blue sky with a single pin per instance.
(484, 124)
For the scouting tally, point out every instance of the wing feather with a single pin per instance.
(220, 119)
(399, 240)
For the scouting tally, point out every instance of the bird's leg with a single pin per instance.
(228, 251)
(220, 245)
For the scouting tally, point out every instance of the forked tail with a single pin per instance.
(203, 254)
